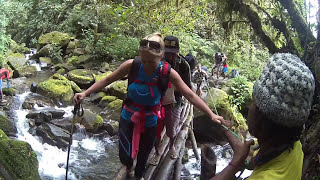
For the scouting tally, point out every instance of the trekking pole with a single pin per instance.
(225, 127)
(77, 111)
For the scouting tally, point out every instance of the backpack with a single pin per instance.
(163, 81)
(192, 61)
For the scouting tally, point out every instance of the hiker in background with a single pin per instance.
(172, 101)
(234, 73)
(200, 77)
(138, 120)
(282, 101)
(225, 68)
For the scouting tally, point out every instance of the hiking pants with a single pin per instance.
(147, 140)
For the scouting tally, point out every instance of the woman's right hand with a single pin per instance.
(78, 97)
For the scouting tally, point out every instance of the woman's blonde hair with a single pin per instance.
(157, 38)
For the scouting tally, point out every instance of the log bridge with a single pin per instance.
(168, 168)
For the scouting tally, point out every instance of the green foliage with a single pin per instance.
(240, 91)
(4, 38)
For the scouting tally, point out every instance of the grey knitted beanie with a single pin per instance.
(285, 90)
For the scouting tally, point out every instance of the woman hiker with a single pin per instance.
(138, 121)
(282, 101)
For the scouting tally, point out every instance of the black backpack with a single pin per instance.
(192, 61)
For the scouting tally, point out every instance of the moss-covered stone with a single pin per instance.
(14, 47)
(116, 104)
(61, 71)
(57, 89)
(45, 60)
(19, 160)
(16, 61)
(118, 88)
(81, 77)
(75, 87)
(27, 71)
(3, 135)
(97, 122)
(91, 120)
(106, 100)
(59, 77)
(54, 37)
(8, 91)
(72, 45)
(77, 60)
(101, 76)
(5, 123)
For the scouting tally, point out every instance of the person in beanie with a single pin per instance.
(282, 101)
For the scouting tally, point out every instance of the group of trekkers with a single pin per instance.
(159, 77)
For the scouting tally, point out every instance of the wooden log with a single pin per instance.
(166, 167)
(178, 165)
(208, 162)
(194, 144)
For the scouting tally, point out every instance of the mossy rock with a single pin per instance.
(27, 71)
(105, 67)
(61, 71)
(73, 44)
(14, 47)
(91, 120)
(101, 76)
(3, 135)
(18, 160)
(96, 98)
(106, 100)
(45, 51)
(57, 89)
(115, 105)
(75, 87)
(16, 61)
(45, 60)
(118, 88)
(78, 60)
(59, 77)
(8, 91)
(83, 78)
(63, 66)
(55, 37)
(203, 124)
(5, 124)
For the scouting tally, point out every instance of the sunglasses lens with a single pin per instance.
(154, 45)
(144, 43)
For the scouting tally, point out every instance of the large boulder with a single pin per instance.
(27, 71)
(6, 125)
(18, 160)
(37, 100)
(16, 48)
(118, 88)
(16, 62)
(203, 124)
(43, 52)
(57, 88)
(57, 38)
(78, 61)
(83, 78)
(106, 100)
(53, 135)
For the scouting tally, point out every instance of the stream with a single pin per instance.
(90, 158)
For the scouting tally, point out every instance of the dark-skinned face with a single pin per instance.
(170, 58)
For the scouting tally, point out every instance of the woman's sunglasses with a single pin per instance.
(150, 44)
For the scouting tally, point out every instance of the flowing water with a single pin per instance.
(90, 158)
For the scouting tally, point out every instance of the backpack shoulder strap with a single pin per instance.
(136, 63)
(164, 75)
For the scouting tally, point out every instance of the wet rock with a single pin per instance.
(91, 121)
(57, 38)
(16, 61)
(45, 51)
(8, 91)
(27, 71)
(79, 61)
(83, 78)
(95, 98)
(38, 122)
(59, 90)
(18, 160)
(53, 135)
(112, 127)
(46, 60)
(116, 104)
(103, 75)
(203, 124)
(35, 99)
(6, 125)
(56, 113)
(106, 100)
(33, 87)
(118, 88)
